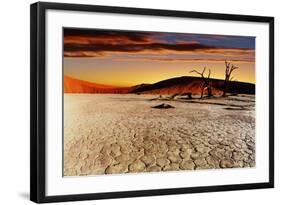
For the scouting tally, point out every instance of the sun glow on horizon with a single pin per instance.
(125, 76)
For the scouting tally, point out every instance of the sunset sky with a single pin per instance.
(126, 58)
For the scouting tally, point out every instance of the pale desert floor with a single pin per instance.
(109, 134)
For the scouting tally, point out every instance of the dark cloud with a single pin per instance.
(133, 47)
(97, 43)
(104, 35)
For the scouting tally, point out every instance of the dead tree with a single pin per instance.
(229, 68)
(206, 84)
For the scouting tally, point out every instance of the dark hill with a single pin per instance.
(193, 84)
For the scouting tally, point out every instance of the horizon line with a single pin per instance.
(118, 86)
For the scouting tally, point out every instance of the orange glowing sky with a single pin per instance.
(125, 58)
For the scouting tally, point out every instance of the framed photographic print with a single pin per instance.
(129, 102)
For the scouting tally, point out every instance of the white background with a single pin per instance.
(14, 101)
(56, 185)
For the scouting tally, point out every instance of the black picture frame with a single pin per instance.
(38, 100)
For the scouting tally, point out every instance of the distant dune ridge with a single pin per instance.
(182, 84)
(72, 85)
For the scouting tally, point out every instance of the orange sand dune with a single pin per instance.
(72, 85)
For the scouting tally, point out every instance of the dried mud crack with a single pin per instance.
(103, 135)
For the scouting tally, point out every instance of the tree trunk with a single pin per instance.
(202, 92)
(228, 71)
(225, 86)
(210, 91)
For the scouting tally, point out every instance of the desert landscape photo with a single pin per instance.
(137, 102)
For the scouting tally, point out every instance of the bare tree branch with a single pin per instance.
(203, 71)
(195, 71)
(206, 81)
(228, 72)
(209, 74)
